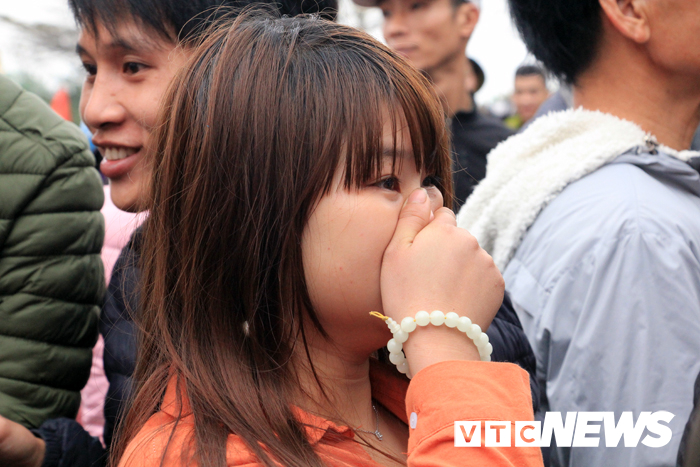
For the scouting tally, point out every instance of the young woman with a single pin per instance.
(299, 171)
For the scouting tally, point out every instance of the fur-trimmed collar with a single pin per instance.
(527, 171)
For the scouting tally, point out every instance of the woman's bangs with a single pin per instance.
(364, 143)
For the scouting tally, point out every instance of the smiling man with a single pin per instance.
(120, 102)
(433, 35)
(130, 50)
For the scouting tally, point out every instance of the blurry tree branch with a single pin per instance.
(48, 37)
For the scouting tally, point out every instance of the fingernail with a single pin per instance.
(418, 196)
(432, 215)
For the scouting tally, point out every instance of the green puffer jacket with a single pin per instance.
(51, 274)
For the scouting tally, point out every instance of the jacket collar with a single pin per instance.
(528, 170)
(388, 388)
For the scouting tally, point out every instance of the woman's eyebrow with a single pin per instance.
(389, 152)
(395, 157)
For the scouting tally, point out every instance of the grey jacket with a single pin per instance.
(606, 283)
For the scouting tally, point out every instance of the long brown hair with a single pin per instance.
(251, 134)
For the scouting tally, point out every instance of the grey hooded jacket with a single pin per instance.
(606, 283)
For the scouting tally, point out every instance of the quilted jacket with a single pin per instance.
(51, 274)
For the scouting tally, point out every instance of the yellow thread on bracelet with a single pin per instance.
(377, 314)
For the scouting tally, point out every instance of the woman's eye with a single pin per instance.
(431, 180)
(389, 183)
(417, 5)
(131, 68)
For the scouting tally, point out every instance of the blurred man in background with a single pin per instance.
(433, 35)
(529, 94)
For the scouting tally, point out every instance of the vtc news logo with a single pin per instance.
(581, 429)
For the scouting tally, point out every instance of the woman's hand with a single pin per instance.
(431, 264)
(18, 446)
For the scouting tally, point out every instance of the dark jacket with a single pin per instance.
(119, 331)
(511, 345)
(473, 136)
(66, 437)
(51, 274)
(67, 443)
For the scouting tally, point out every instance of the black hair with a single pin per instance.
(562, 34)
(180, 20)
(530, 70)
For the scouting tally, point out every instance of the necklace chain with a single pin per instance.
(376, 432)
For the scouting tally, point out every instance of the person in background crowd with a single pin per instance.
(433, 35)
(324, 193)
(51, 276)
(593, 215)
(130, 52)
(529, 94)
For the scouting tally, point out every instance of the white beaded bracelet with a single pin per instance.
(437, 318)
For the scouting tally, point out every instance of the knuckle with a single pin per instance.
(446, 211)
(414, 210)
(445, 229)
(469, 241)
(415, 222)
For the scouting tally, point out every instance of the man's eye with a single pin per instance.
(389, 183)
(90, 69)
(417, 5)
(386, 13)
(131, 68)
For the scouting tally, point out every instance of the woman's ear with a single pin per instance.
(629, 18)
(467, 16)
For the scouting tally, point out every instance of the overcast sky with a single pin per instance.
(495, 44)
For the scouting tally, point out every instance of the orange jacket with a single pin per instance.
(439, 395)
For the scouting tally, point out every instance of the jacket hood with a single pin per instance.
(527, 171)
(674, 170)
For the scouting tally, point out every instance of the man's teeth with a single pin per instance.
(115, 154)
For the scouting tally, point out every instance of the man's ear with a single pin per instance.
(467, 15)
(629, 18)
